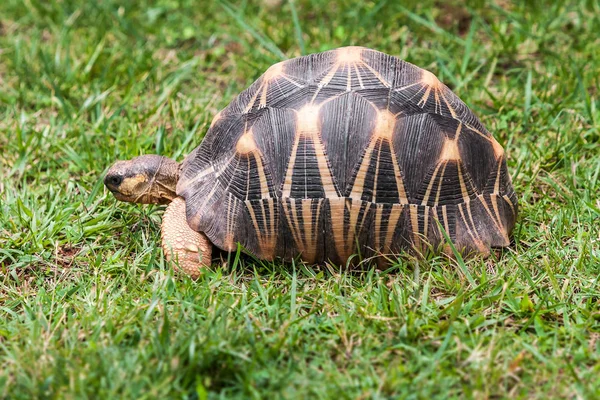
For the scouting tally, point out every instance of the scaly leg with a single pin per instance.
(189, 250)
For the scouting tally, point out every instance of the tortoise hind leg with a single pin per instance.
(189, 250)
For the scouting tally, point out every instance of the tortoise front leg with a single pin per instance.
(189, 250)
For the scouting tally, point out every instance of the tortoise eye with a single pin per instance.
(113, 180)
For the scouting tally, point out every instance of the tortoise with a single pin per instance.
(349, 151)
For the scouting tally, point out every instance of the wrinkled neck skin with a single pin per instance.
(164, 182)
(148, 179)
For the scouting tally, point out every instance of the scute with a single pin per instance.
(349, 151)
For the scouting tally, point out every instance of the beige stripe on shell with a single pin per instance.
(360, 81)
(463, 188)
(512, 207)
(466, 222)
(305, 237)
(432, 83)
(228, 241)
(310, 229)
(287, 183)
(274, 72)
(345, 57)
(439, 188)
(359, 180)
(477, 131)
(307, 125)
(246, 145)
(264, 187)
(445, 217)
(431, 183)
(378, 215)
(393, 218)
(345, 243)
(494, 199)
(384, 130)
(480, 246)
(425, 222)
(493, 215)
(267, 237)
(290, 214)
(414, 222)
(252, 100)
(349, 58)
(498, 149)
(338, 225)
(497, 183)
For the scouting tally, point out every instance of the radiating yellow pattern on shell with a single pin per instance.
(305, 235)
(246, 144)
(361, 213)
(267, 236)
(307, 126)
(498, 149)
(349, 55)
(349, 59)
(275, 72)
(385, 245)
(384, 131)
(450, 151)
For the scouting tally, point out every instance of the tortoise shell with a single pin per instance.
(349, 151)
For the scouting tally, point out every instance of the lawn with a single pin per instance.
(89, 309)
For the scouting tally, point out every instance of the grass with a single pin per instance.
(88, 309)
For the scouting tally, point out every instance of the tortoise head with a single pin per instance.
(149, 179)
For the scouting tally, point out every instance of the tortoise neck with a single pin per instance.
(164, 182)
